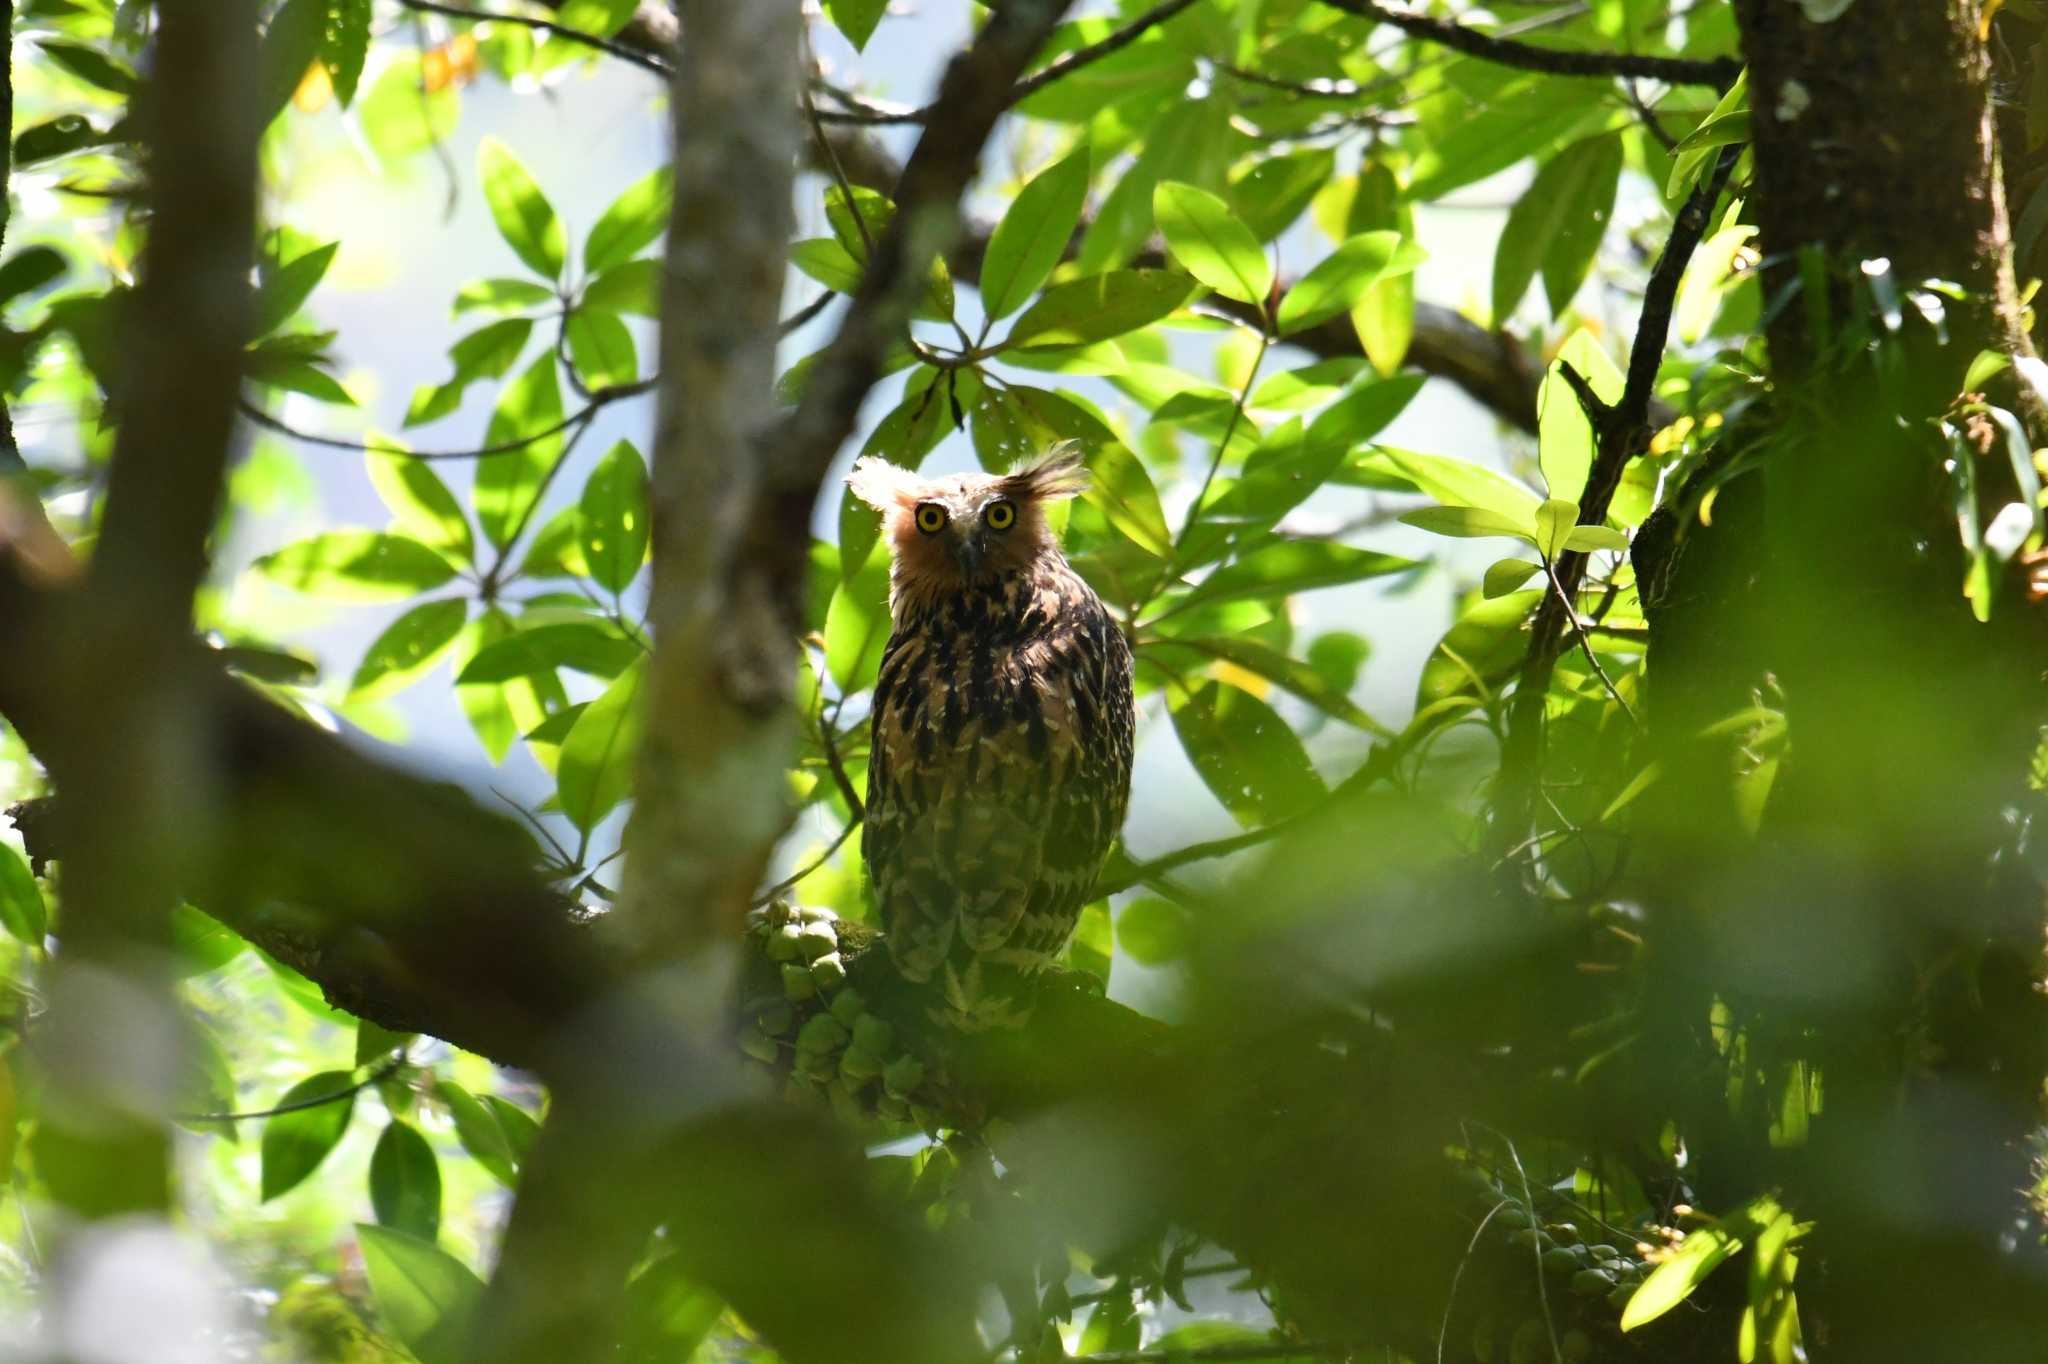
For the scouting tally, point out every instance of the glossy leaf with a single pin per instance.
(1458, 483)
(508, 484)
(1565, 440)
(1288, 566)
(1465, 522)
(408, 649)
(419, 502)
(1034, 234)
(1342, 278)
(1245, 754)
(594, 770)
(425, 1296)
(635, 220)
(1100, 307)
(295, 1143)
(1557, 224)
(614, 518)
(1210, 244)
(405, 1181)
(525, 218)
(586, 647)
(356, 566)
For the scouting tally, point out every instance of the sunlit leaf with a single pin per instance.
(1034, 234)
(294, 1143)
(1341, 279)
(425, 1295)
(356, 566)
(633, 222)
(525, 218)
(1100, 307)
(508, 484)
(21, 900)
(1245, 753)
(408, 649)
(594, 770)
(588, 647)
(1210, 244)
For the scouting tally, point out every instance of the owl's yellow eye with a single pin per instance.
(931, 518)
(1000, 515)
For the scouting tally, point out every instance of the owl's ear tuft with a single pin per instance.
(1056, 474)
(879, 483)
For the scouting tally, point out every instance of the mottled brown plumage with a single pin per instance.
(1002, 734)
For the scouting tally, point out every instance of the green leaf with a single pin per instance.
(401, 118)
(1275, 191)
(1341, 279)
(1311, 386)
(856, 18)
(375, 1042)
(860, 530)
(614, 519)
(356, 566)
(586, 647)
(99, 70)
(1283, 567)
(524, 217)
(1245, 754)
(601, 17)
(520, 1130)
(1586, 539)
(1485, 641)
(1708, 276)
(304, 993)
(1728, 123)
(594, 771)
(1673, 1281)
(1289, 674)
(666, 1314)
(634, 221)
(408, 649)
(1100, 307)
(1505, 576)
(1557, 224)
(508, 484)
(420, 502)
(405, 1182)
(634, 287)
(500, 712)
(485, 353)
(502, 295)
(1210, 244)
(30, 268)
(295, 1143)
(1554, 522)
(1365, 410)
(1123, 491)
(1033, 235)
(345, 45)
(1564, 437)
(21, 900)
(425, 1295)
(1465, 522)
(285, 281)
(479, 1131)
(290, 46)
(601, 349)
(1460, 484)
(857, 625)
(1152, 931)
(1532, 116)
(828, 261)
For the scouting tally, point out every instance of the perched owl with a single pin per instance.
(1002, 734)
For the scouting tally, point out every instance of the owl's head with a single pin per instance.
(945, 533)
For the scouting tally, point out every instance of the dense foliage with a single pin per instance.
(1574, 994)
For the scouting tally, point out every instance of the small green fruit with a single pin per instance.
(829, 971)
(759, 1045)
(797, 982)
(1560, 1260)
(874, 1034)
(857, 1067)
(848, 1006)
(821, 1033)
(782, 943)
(1592, 1283)
(815, 940)
(902, 1076)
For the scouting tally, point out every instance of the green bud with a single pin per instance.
(815, 940)
(1592, 1283)
(902, 1076)
(776, 1017)
(1531, 1344)
(1604, 1253)
(829, 971)
(759, 1045)
(1560, 1260)
(821, 1033)
(797, 982)
(783, 944)
(1564, 1232)
(1514, 1217)
(874, 1034)
(857, 1067)
(848, 1005)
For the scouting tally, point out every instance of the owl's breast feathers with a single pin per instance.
(1001, 768)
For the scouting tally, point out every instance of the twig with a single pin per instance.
(1134, 873)
(1244, 395)
(820, 860)
(1451, 1299)
(1620, 433)
(644, 60)
(832, 760)
(861, 112)
(1571, 614)
(831, 155)
(385, 1071)
(1718, 72)
(806, 313)
(599, 399)
(1274, 1349)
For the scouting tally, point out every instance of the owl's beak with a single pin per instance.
(967, 553)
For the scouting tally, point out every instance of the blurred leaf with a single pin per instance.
(502, 295)
(1341, 279)
(1365, 410)
(405, 1182)
(284, 283)
(829, 263)
(345, 44)
(594, 770)
(1152, 931)
(1100, 307)
(303, 993)
(633, 222)
(1557, 224)
(356, 566)
(486, 353)
(520, 1130)
(634, 287)
(598, 650)
(615, 517)
(666, 1315)
(1485, 641)
(1564, 434)
(408, 649)
(401, 117)
(1275, 191)
(525, 218)
(1283, 567)
(1212, 245)
(1290, 674)
(97, 69)
(21, 900)
(1507, 576)
(291, 44)
(479, 1131)
(1033, 234)
(1673, 1281)
(425, 1295)
(295, 1143)
(1530, 118)
(1245, 754)
(1464, 522)
(500, 712)
(200, 942)
(375, 1042)
(857, 626)
(1554, 522)
(1460, 484)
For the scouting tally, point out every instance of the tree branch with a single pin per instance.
(1527, 57)
(636, 55)
(1620, 433)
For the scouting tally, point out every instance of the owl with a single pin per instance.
(1001, 727)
